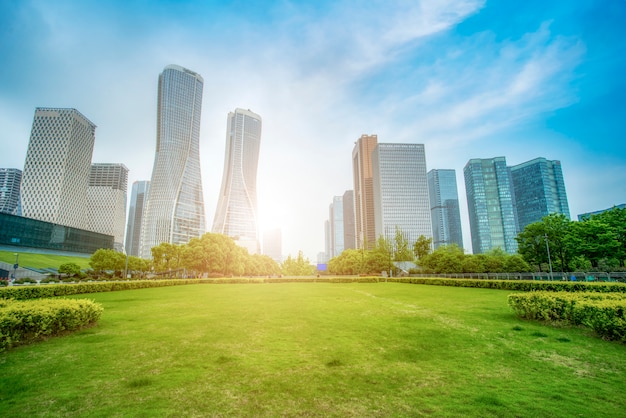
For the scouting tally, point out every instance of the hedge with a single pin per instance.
(517, 285)
(605, 313)
(22, 322)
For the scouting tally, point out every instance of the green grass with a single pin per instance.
(43, 260)
(314, 349)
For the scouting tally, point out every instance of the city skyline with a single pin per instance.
(465, 78)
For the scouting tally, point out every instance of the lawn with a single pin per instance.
(43, 260)
(314, 349)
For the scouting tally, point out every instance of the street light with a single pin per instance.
(16, 265)
(545, 236)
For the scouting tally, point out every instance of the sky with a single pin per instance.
(468, 79)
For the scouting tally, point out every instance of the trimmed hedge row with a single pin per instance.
(605, 313)
(518, 285)
(22, 322)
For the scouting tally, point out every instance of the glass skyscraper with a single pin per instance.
(400, 191)
(491, 205)
(57, 166)
(336, 227)
(138, 202)
(365, 229)
(236, 215)
(444, 208)
(539, 190)
(174, 211)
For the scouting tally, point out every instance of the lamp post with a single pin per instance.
(16, 265)
(545, 236)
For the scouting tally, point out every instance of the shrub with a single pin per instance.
(25, 280)
(26, 321)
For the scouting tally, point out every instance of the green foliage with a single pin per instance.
(605, 313)
(25, 321)
(402, 250)
(598, 242)
(69, 269)
(166, 257)
(299, 266)
(107, 259)
(25, 280)
(350, 261)
(422, 247)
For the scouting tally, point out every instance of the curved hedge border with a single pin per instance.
(22, 322)
(605, 313)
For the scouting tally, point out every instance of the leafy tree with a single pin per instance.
(422, 247)
(350, 261)
(551, 233)
(473, 263)
(445, 259)
(495, 261)
(69, 269)
(402, 251)
(615, 219)
(594, 240)
(299, 266)
(380, 257)
(166, 256)
(107, 259)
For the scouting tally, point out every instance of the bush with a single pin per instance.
(605, 313)
(26, 321)
(25, 280)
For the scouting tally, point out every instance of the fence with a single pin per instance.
(591, 276)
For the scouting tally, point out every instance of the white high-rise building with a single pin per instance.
(236, 215)
(138, 196)
(336, 227)
(56, 170)
(106, 201)
(175, 209)
(401, 199)
(10, 183)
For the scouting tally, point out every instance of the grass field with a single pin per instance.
(314, 349)
(43, 260)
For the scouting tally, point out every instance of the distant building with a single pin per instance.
(444, 208)
(539, 190)
(400, 189)
(336, 227)
(175, 212)
(365, 229)
(237, 214)
(106, 201)
(491, 205)
(588, 215)
(10, 182)
(138, 196)
(349, 226)
(273, 244)
(56, 170)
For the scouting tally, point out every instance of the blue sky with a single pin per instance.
(469, 79)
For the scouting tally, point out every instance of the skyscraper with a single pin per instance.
(175, 209)
(138, 201)
(10, 182)
(273, 244)
(400, 188)
(491, 205)
(335, 227)
(106, 201)
(349, 231)
(236, 214)
(539, 190)
(363, 190)
(56, 170)
(444, 208)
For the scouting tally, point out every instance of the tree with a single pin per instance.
(166, 257)
(380, 257)
(594, 240)
(402, 252)
(350, 261)
(69, 269)
(106, 260)
(615, 219)
(299, 266)
(422, 247)
(445, 259)
(551, 233)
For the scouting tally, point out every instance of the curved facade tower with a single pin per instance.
(174, 211)
(236, 214)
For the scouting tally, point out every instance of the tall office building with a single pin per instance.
(57, 166)
(363, 191)
(273, 244)
(335, 227)
(236, 214)
(444, 208)
(539, 190)
(349, 231)
(587, 215)
(174, 212)
(138, 196)
(491, 205)
(10, 182)
(106, 201)
(400, 188)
